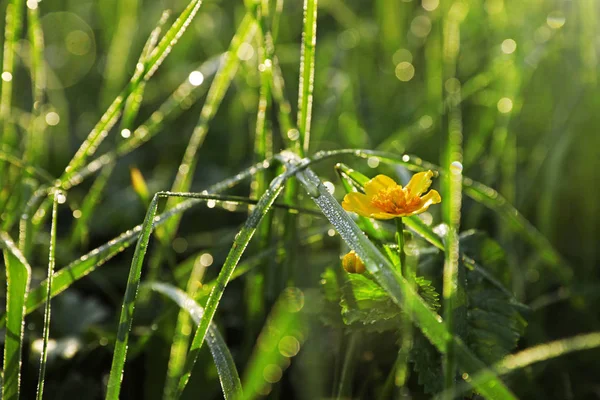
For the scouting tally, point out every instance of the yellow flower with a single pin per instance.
(385, 199)
(353, 264)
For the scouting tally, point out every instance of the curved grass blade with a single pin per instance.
(18, 275)
(527, 357)
(280, 339)
(398, 287)
(228, 375)
(307, 74)
(183, 329)
(218, 88)
(143, 72)
(46, 331)
(240, 244)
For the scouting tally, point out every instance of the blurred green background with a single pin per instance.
(526, 74)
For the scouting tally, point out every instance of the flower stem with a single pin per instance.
(400, 241)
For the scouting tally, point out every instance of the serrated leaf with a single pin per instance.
(427, 364)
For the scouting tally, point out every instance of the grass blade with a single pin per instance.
(453, 288)
(228, 375)
(398, 288)
(144, 72)
(240, 244)
(125, 321)
(527, 357)
(35, 142)
(307, 74)
(18, 275)
(46, 331)
(218, 88)
(12, 34)
(183, 329)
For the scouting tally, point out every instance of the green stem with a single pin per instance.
(400, 241)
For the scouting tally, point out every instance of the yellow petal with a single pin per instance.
(358, 203)
(383, 215)
(433, 197)
(419, 183)
(377, 184)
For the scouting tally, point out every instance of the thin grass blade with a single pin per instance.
(18, 275)
(240, 244)
(228, 375)
(527, 357)
(307, 74)
(47, 311)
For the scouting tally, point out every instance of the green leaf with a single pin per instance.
(18, 275)
(427, 364)
(364, 302)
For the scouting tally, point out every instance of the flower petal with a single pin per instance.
(383, 215)
(358, 203)
(419, 183)
(377, 184)
(433, 197)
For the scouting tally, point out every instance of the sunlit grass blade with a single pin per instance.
(35, 143)
(307, 74)
(47, 311)
(280, 340)
(397, 287)
(117, 368)
(143, 72)
(453, 289)
(18, 275)
(218, 88)
(239, 245)
(133, 103)
(180, 100)
(228, 375)
(183, 329)
(529, 356)
(120, 46)
(12, 35)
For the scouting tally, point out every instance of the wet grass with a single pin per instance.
(481, 294)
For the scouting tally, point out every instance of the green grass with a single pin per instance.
(259, 116)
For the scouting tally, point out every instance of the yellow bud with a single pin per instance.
(139, 185)
(353, 264)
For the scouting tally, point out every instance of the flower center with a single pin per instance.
(395, 200)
